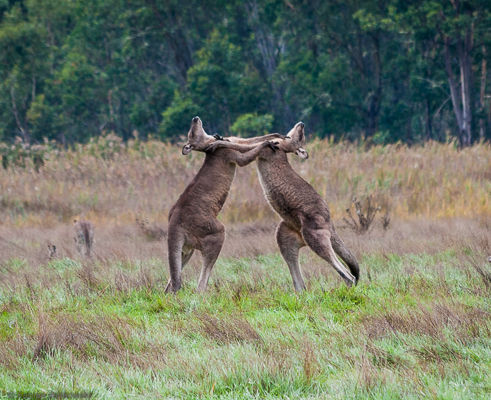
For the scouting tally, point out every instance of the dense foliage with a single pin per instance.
(385, 71)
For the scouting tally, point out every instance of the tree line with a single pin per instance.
(375, 70)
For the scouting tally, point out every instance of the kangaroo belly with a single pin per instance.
(279, 195)
(290, 195)
(208, 191)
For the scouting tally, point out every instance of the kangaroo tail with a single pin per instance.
(346, 255)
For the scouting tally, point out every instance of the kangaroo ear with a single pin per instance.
(192, 130)
(297, 133)
(300, 135)
(300, 130)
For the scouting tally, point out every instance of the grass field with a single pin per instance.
(418, 325)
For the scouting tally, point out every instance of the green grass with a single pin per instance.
(417, 326)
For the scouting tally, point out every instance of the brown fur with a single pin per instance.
(193, 223)
(306, 217)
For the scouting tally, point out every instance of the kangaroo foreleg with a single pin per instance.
(244, 153)
(290, 241)
(243, 159)
(240, 147)
(255, 140)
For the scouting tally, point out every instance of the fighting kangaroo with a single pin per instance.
(193, 223)
(306, 216)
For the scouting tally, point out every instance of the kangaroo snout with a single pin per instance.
(195, 119)
(186, 149)
(302, 153)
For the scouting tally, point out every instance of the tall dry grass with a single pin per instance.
(106, 181)
(434, 193)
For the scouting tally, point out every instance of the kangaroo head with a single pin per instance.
(294, 141)
(198, 139)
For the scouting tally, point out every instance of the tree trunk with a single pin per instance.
(461, 102)
(267, 48)
(24, 132)
(482, 119)
(264, 39)
(376, 95)
(176, 40)
(180, 48)
(456, 100)
(428, 124)
(464, 50)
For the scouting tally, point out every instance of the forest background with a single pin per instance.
(381, 71)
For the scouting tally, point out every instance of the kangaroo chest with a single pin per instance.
(277, 189)
(217, 192)
(207, 193)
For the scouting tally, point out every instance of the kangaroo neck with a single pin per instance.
(219, 167)
(272, 164)
(274, 174)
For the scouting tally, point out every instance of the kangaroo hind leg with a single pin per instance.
(211, 247)
(319, 240)
(290, 241)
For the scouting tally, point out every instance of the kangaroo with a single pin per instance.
(305, 215)
(193, 223)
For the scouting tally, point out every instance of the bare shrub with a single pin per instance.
(386, 220)
(84, 237)
(365, 210)
(51, 251)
